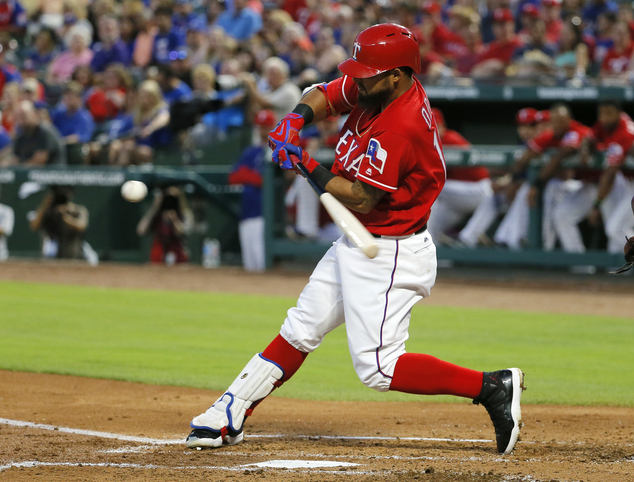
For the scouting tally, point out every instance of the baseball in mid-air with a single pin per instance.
(133, 191)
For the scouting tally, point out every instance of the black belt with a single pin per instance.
(424, 228)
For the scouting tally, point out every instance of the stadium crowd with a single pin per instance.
(108, 82)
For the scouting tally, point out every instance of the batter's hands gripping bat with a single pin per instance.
(350, 225)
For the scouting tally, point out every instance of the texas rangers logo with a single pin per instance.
(355, 50)
(376, 155)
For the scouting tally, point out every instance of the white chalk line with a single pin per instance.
(238, 468)
(154, 441)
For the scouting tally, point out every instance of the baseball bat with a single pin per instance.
(349, 224)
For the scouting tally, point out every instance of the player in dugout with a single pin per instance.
(389, 169)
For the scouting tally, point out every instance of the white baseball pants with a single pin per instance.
(374, 298)
(251, 231)
(615, 210)
(457, 200)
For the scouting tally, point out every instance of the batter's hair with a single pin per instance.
(407, 70)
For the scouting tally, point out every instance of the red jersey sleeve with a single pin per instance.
(541, 141)
(572, 138)
(381, 163)
(342, 94)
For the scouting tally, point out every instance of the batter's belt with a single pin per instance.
(421, 230)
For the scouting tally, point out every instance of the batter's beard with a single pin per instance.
(370, 101)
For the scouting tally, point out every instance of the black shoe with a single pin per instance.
(201, 438)
(500, 395)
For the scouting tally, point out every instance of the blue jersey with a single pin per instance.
(164, 44)
(79, 122)
(252, 158)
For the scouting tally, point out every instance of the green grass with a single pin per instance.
(204, 340)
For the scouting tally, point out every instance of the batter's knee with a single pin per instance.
(371, 375)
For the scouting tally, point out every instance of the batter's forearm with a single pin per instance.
(318, 102)
(605, 182)
(357, 195)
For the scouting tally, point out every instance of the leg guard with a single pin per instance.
(223, 421)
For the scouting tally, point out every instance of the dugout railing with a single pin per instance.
(112, 229)
(279, 246)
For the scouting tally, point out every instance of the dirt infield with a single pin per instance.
(60, 428)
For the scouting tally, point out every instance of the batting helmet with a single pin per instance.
(380, 48)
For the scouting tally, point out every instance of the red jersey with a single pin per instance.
(553, 31)
(572, 138)
(617, 142)
(462, 173)
(397, 150)
(500, 51)
(447, 43)
(616, 63)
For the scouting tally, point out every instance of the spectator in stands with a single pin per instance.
(169, 220)
(44, 49)
(535, 56)
(10, 101)
(146, 131)
(72, 120)
(8, 72)
(617, 59)
(464, 63)
(594, 8)
(61, 223)
(172, 87)
(444, 42)
(110, 49)
(197, 42)
(78, 53)
(573, 58)
(327, 55)
(571, 8)
(35, 143)
(566, 135)
(526, 124)
(536, 40)
(465, 190)
(184, 17)
(248, 172)
(108, 100)
(551, 13)
(241, 22)
(7, 219)
(30, 90)
(167, 39)
(604, 39)
(280, 94)
(610, 198)
(497, 55)
(6, 149)
(13, 17)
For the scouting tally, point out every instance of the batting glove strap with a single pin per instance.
(296, 154)
(286, 132)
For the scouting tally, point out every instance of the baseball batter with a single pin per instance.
(389, 169)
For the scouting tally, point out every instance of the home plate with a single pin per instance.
(300, 464)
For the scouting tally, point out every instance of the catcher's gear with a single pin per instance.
(380, 48)
(296, 154)
(223, 421)
(286, 132)
(628, 251)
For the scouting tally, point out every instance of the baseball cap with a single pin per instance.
(440, 118)
(530, 10)
(526, 116)
(502, 15)
(431, 7)
(542, 116)
(265, 118)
